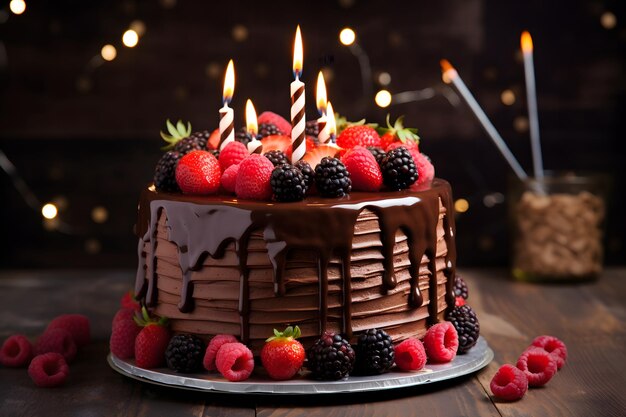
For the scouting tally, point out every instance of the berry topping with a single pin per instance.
(123, 314)
(459, 301)
(56, 340)
(467, 327)
(151, 342)
(184, 353)
(76, 324)
(214, 346)
(232, 154)
(363, 168)
(314, 156)
(123, 335)
(229, 178)
(332, 179)
(554, 346)
(397, 133)
(374, 352)
(307, 173)
(176, 134)
(288, 183)
(270, 118)
(379, 154)
(195, 142)
(253, 178)
(331, 357)
(48, 370)
(538, 365)
(425, 168)
(509, 383)
(128, 301)
(460, 287)
(358, 135)
(276, 157)
(245, 137)
(214, 140)
(410, 355)
(398, 169)
(282, 355)
(16, 351)
(165, 172)
(410, 146)
(269, 129)
(441, 342)
(312, 128)
(277, 143)
(198, 172)
(235, 361)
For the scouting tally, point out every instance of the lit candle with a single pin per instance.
(531, 98)
(298, 119)
(331, 124)
(451, 76)
(227, 119)
(321, 107)
(255, 145)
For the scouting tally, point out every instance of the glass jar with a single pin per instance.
(558, 227)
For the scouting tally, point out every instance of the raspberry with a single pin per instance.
(538, 365)
(441, 342)
(198, 172)
(229, 178)
(16, 351)
(123, 335)
(214, 346)
(363, 168)
(235, 361)
(48, 370)
(425, 168)
(554, 347)
(76, 324)
(59, 341)
(410, 355)
(509, 383)
(123, 314)
(253, 178)
(232, 154)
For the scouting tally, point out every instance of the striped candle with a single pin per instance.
(298, 119)
(227, 119)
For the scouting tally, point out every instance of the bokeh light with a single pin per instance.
(17, 6)
(461, 205)
(347, 36)
(383, 98)
(108, 52)
(49, 211)
(130, 38)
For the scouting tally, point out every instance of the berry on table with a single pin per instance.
(123, 335)
(441, 342)
(464, 320)
(151, 342)
(410, 355)
(214, 346)
(332, 178)
(282, 355)
(358, 135)
(509, 383)
(398, 169)
(538, 365)
(198, 172)
(48, 370)
(76, 324)
(16, 351)
(288, 183)
(253, 178)
(554, 346)
(229, 178)
(374, 352)
(364, 170)
(460, 287)
(271, 118)
(235, 361)
(232, 154)
(331, 357)
(57, 340)
(276, 157)
(165, 172)
(184, 353)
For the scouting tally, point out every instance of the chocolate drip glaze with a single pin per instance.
(202, 226)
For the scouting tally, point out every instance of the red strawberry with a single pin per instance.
(314, 156)
(387, 139)
(282, 355)
(123, 335)
(232, 154)
(363, 168)
(128, 301)
(198, 172)
(253, 178)
(268, 117)
(358, 135)
(151, 342)
(277, 143)
(229, 178)
(76, 324)
(214, 140)
(397, 133)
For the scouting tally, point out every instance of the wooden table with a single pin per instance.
(589, 317)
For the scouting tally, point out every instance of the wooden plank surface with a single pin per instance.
(588, 317)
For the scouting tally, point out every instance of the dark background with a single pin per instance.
(83, 133)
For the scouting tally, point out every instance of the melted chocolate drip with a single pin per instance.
(203, 225)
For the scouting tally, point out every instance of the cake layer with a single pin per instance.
(370, 260)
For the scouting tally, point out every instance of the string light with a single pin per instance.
(384, 78)
(461, 205)
(507, 97)
(108, 52)
(17, 6)
(347, 36)
(130, 38)
(383, 98)
(49, 211)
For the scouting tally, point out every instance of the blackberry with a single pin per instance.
(378, 153)
(277, 157)
(165, 172)
(185, 353)
(460, 287)
(288, 183)
(374, 352)
(196, 141)
(332, 178)
(398, 169)
(244, 136)
(466, 324)
(312, 128)
(331, 357)
(307, 172)
(269, 129)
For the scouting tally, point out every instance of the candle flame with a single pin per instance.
(297, 54)
(251, 122)
(448, 71)
(321, 94)
(331, 124)
(229, 82)
(527, 42)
